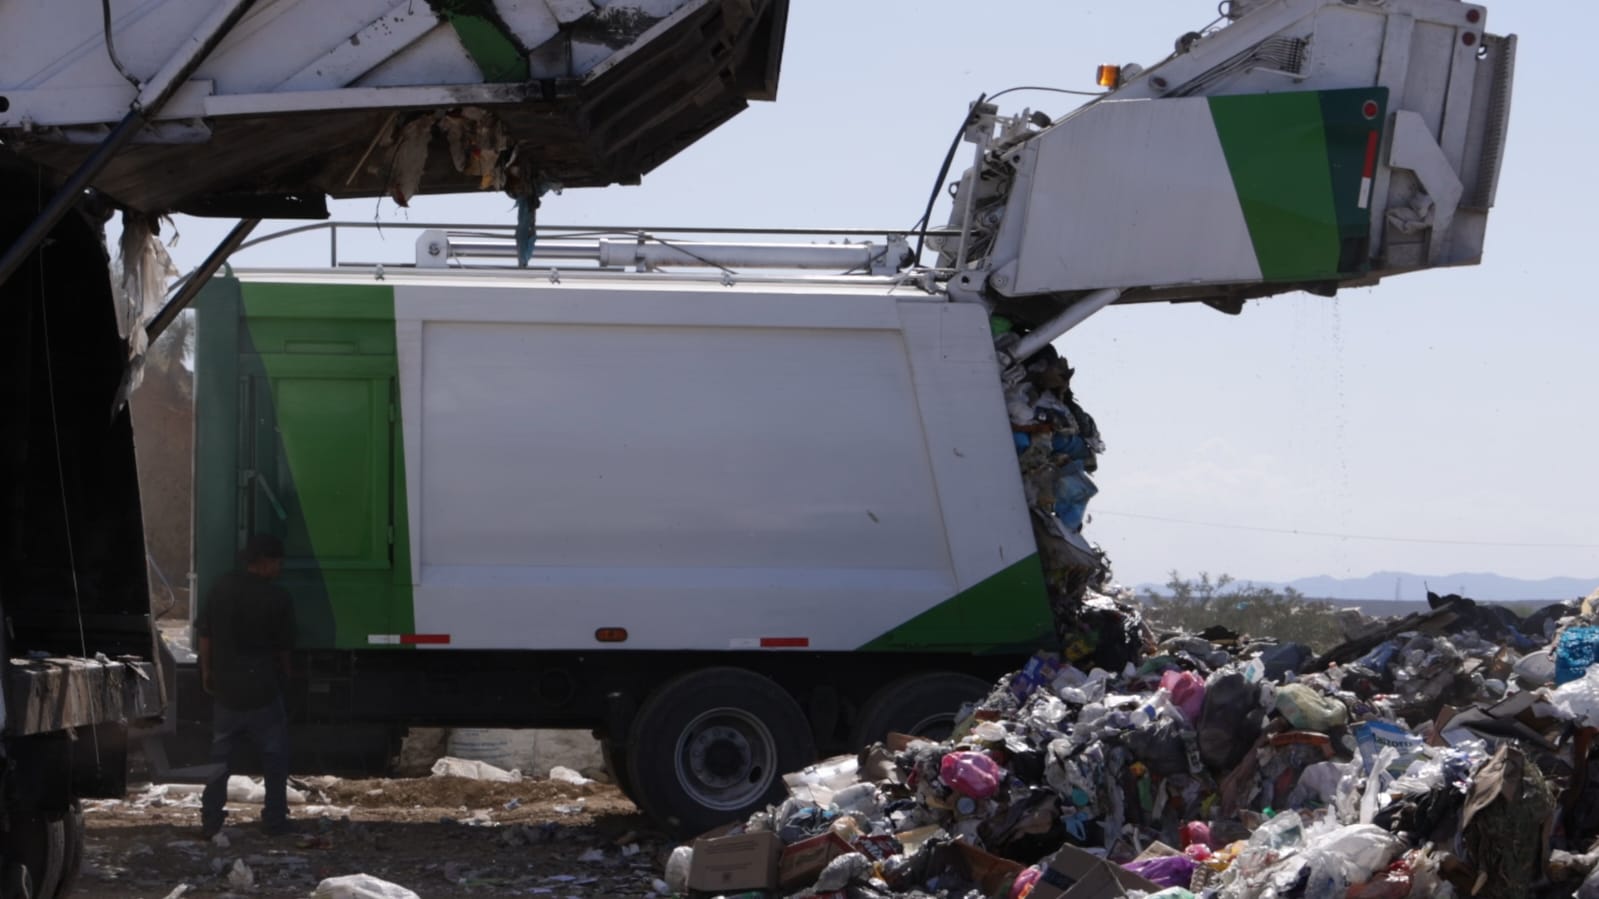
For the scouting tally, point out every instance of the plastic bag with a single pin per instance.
(362, 886)
(473, 770)
(1373, 799)
(677, 868)
(1307, 709)
(1575, 654)
(1187, 691)
(1579, 699)
(1167, 870)
(1346, 857)
(971, 774)
(1229, 721)
(1319, 783)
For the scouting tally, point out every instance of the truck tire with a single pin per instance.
(921, 705)
(615, 756)
(39, 849)
(72, 861)
(712, 746)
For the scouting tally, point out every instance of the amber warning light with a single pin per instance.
(611, 635)
(1109, 77)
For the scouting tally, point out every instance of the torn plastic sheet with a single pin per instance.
(146, 271)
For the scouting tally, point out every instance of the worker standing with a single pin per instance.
(246, 630)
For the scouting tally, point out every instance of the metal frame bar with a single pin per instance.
(192, 285)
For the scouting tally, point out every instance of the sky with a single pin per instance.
(1449, 413)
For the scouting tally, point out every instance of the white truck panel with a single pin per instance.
(1119, 157)
(579, 456)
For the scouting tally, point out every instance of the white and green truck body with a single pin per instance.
(487, 461)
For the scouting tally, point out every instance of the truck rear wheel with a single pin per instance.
(712, 746)
(921, 705)
(43, 854)
(615, 756)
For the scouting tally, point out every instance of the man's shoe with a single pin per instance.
(278, 828)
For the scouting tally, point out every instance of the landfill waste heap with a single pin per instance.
(1443, 754)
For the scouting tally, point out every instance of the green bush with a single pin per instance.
(1261, 612)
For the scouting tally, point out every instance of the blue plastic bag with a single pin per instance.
(1579, 648)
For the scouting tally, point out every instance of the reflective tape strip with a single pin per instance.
(383, 639)
(425, 639)
(785, 642)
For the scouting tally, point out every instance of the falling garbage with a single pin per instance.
(1420, 758)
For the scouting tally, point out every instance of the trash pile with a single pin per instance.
(1058, 447)
(1443, 754)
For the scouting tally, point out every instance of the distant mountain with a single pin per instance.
(1402, 585)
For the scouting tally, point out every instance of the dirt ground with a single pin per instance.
(438, 836)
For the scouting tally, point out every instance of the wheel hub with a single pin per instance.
(726, 758)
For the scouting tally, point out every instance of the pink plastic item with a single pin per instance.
(1025, 881)
(970, 774)
(1195, 833)
(1187, 691)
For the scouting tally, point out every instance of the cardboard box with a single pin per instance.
(801, 863)
(992, 874)
(730, 864)
(1072, 873)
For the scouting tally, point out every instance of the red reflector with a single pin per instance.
(785, 642)
(1369, 109)
(418, 639)
(611, 635)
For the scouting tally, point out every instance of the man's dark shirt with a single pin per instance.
(250, 622)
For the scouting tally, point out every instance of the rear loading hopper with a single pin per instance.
(262, 108)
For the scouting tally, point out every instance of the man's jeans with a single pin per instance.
(268, 728)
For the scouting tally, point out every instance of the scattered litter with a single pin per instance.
(450, 766)
(252, 791)
(361, 886)
(567, 775)
(240, 877)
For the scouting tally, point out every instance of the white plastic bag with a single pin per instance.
(677, 866)
(1320, 782)
(1347, 856)
(473, 770)
(361, 886)
(1579, 699)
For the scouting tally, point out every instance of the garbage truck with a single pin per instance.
(727, 511)
(248, 109)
